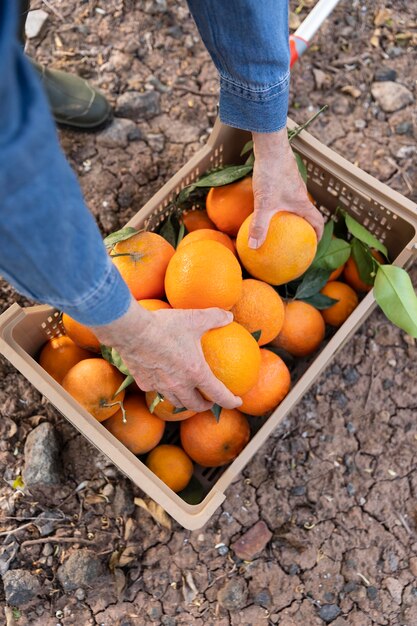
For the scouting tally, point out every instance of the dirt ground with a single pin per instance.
(337, 483)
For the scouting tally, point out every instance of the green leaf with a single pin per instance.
(193, 492)
(158, 398)
(180, 409)
(127, 381)
(394, 292)
(224, 176)
(248, 147)
(181, 234)
(301, 167)
(170, 230)
(364, 260)
(16, 613)
(320, 301)
(292, 134)
(216, 410)
(120, 235)
(336, 255)
(250, 160)
(361, 233)
(18, 483)
(256, 334)
(325, 240)
(113, 357)
(106, 352)
(314, 280)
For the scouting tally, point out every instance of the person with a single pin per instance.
(73, 101)
(51, 248)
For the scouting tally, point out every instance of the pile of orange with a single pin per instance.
(209, 268)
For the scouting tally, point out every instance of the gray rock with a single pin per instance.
(372, 592)
(135, 105)
(329, 612)
(233, 595)
(118, 134)
(20, 586)
(82, 569)
(35, 23)
(156, 142)
(263, 598)
(123, 502)
(384, 73)
(80, 594)
(322, 80)
(42, 470)
(298, 490)
(391, 96)
(406, 152)
(404, 128)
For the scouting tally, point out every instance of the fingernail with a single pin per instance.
(253, 243)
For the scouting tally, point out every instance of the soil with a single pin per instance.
(337, 483)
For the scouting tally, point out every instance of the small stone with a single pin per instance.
(233, 595)
(406, 152)
(42, 470)
(80, 594)
(135, 105)
(298, 490)
(395, 588)
(108, 491)
(391, 96)
(20, 586)
(360, 124)
(156, 142)
(329, 612)
(167, 620)
(350, 586)
(372, 593)
(81, 569)
(263, 598)
(48, 549)
(222, 550)
(413, 565)
(385, 73)
(293, 569)
(322, 80)
(350, 489)
(351, 428)
(123, 503)
(35, 22)
(404, 128)
(341, 105)
(118, 134)
(251, 544)
(175, 31)
(351, 374)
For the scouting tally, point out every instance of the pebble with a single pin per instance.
(35, 23)
(350, 427)
(82, 569)
(395, 588)
(298, 490)
(233, 595)
(135, 105)
(48, 549)
(20, 586)
(80, 594)
(391, 96)
(385, 73)
(413, 565)
(329, 612)
(118, 134)
(123, 502)
(404, 128)
(406, 152)
(372, 593)
(350, 489)
(360, 124)
(263, 598)
(42, 470)
(222, 550)
(251, 544)
(293, 569)
(156, 142)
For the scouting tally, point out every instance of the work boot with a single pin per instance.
(73, 100)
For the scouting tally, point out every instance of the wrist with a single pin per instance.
(129, 326)
(266, 144)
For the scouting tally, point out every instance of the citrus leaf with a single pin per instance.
(216, 410)
(224, 176)
(18, 483)
(127, 381)
(361, 233)
(364, 261)
(106, 352)
(250, 160)
(181, 234)
(158, 398)
(113, 357)
(193, 492)
(248, 147)
(314, 280)
(320, 301)
(394, 292)
(170, 230)
(256, 334)
(301, 167)
(325, 240)
(120, 235)
(336, 255)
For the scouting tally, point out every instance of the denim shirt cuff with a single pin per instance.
(261, 110)
(105, 303)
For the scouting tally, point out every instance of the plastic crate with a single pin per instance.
(333, 181)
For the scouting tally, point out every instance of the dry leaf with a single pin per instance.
(10, 618)
(374, 40)
(382, 16)
(189, 590)
(120, 583)
(130, 528)
(156, 511)
(128, 555)
(95, 498)
(351, 90)
(114, 560)
(294, 21)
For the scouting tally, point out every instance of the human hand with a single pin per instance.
(278, 186)
(163, 353)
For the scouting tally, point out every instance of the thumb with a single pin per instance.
(206, 319)
(259, 225)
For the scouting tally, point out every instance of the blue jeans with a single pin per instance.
(50, 247)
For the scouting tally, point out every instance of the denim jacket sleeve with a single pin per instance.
(50, 246)
(248, 42)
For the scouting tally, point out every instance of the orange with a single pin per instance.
(233, 356)
(58, 355)
(259, 308)
(142, 431)
(194, 220)
(351, 273)
(273, 384)
(93, 383)
(287, 252)
(337, 272)
(82, 335)
(208, 233)
(228, 206)
(153, 304)
(171, 465)
(143, 262)
(347, 302)
(312, 200)
(203, 274)
(165, 410)
(213, 443)
(303, 329)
